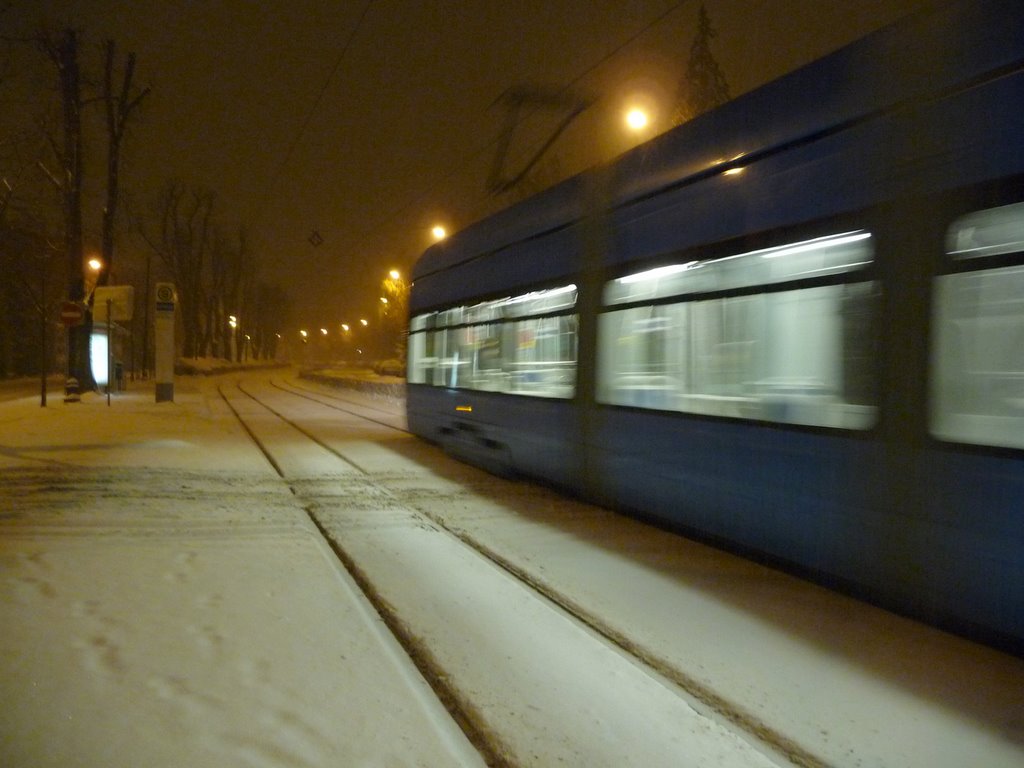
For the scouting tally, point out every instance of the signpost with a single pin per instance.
(164, 339)
(71, 314)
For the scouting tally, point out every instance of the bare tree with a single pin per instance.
(119, 108)
(216, 275)
(269, 312)
(63, 53)
(230, 263)
(185, 238)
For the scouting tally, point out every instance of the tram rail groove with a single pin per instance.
(700, 695)
(460, 709)
(295, 389)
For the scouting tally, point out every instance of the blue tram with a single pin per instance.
(792, 327)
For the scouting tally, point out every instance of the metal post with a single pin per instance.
(110, 351)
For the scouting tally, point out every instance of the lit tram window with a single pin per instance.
(523, 345)
(977, 371)
(990, 232)
(799, 356)
(817, 257)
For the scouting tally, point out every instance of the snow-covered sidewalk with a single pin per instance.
(165, 602)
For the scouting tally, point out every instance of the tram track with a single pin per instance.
(698, 694)
(460, 709)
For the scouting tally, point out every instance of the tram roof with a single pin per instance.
(942, 46)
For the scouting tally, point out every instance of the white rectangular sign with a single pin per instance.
(121, 300)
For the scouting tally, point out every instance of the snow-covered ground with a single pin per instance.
(165, 600)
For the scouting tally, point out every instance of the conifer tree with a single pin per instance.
(704, 86)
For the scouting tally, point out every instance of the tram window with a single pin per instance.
(991, 232)
(799, 357)
(817, 257)
(977, 372)
(523, 345)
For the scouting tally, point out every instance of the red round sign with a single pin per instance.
(71, 313)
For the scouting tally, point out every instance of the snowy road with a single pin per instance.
(172, 603)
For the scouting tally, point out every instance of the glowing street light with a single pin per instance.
(637, 119)
(95, 264)
(439, 232)
(303, 334)
(345, 327)
(363, 323)
(395, 274)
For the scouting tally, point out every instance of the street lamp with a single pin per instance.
(233, 324)
(439, 232)
(95, 266)
(637, 119)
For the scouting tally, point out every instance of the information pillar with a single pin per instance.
(164, 341)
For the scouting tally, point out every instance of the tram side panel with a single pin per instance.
(897, 475)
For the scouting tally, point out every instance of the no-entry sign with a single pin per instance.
(71, 313)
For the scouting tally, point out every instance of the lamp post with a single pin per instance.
(233, 325)
(394, 310)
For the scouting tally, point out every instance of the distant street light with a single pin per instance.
(439, 232)
(395, 274)
(95, 265)
(364, 323)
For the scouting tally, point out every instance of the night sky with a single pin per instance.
(369, 122)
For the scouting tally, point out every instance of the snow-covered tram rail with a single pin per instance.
(459, 610)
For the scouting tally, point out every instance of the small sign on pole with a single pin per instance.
(71, 313)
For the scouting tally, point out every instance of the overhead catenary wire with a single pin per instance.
(474, 155)
(275, 177)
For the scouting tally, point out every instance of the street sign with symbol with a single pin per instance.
(71, 313)
(165, 297)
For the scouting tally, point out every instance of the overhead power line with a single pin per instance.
(490, 145)
(313, 107)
